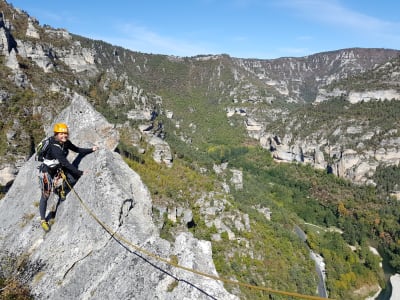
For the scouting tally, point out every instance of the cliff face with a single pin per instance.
(328, 109)
(301, 79)
(49, 61)
(78, 259)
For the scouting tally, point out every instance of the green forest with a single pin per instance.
(344, 214)
(342, 220)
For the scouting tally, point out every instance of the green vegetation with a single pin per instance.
(11, 289)
(334, 213)
(387, 179)
(295, 194)
(330, 119)
(21, 122)
(274, 246)
(379, 78)
(177, 184)
(11, 285)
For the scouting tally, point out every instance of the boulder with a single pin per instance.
(8, 173)
(162, 151)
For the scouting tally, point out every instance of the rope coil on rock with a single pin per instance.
(119, 237)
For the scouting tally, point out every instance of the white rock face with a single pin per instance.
(11, 60)
(31, 31)
(253, 125)
(78, 59)
(395, 281)
(7, 174)
(136, 114)
(355, 97)
(324, 95)
(237, 179)
(162, 151)
(3, 42)
(357, 165)
(78, 259)
(37, 53)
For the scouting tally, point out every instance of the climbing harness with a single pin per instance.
(50, 184)
(120, 238)
(46, 183)
(58, 184)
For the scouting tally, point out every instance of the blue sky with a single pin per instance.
(240, 28)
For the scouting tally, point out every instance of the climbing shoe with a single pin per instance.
(45, 225)
(62, 195)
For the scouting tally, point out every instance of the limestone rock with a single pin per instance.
(4, 96)
(78, 259)
(395, 281)
(39, 53)
(86, 124)
(237, 179)
(355, 97)
(162, 151)
(253, 128)
(11, 60)
(324, 95)
(356, 165)
(78, 58)
(31, 31)
(3, 42)
(8, 173)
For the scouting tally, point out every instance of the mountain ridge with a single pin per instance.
(215, 121)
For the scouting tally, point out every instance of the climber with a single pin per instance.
(55, 162)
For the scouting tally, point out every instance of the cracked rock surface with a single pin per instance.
(78, 259)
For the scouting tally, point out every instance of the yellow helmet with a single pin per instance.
(60, 127)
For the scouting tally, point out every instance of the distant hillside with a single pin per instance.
(207, 136)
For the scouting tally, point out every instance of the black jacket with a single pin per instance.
(59, 151)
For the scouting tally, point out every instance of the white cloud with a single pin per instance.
(362, 29)
(139, 38)
(333, 12)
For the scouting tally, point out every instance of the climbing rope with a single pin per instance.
(119, 237)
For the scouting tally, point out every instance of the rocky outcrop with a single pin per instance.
(290, 76)
(31, 31)
(324, 95)
(87, 125)
(355, 97)
(395, 282)
(8, 173)
(347, 156)
(358, 165)
(162, 151)
(78, 259)
(358, 96)
(7, 42)
(237, 179)
(78, 58)
(40, 54)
